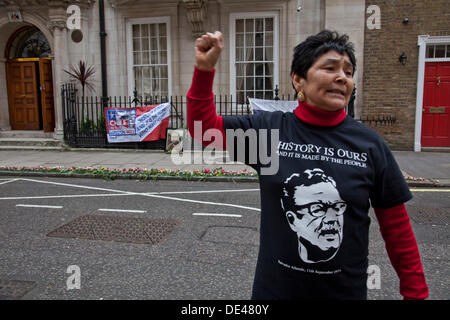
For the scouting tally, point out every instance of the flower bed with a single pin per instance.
(139, 173)
(154, 174)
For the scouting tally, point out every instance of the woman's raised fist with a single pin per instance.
(207, 50)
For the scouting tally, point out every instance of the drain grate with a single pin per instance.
(14, 289)
(120, 229)
(429, 214)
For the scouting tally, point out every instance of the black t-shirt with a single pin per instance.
(314, 211)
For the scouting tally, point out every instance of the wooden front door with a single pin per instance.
(436, 105)
(47, 103)
(22, 95)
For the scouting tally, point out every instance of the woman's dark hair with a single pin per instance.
(307, 52)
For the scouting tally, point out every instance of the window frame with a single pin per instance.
(447, 52)
(276, 45)
(152, 20)
(423, 41)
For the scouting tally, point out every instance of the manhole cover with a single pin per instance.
(429, 214)
(14, 289)
(120, 229)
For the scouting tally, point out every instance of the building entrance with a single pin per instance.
(29, 81)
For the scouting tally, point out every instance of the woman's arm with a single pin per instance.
(402, 250)
(201, 110)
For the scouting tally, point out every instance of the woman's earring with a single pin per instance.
(301, 96)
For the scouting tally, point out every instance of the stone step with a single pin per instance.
(35, 134)
(29, 140)
(41, 142)
(39, 148)
(435, 149)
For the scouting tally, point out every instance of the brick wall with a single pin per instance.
(389, 88)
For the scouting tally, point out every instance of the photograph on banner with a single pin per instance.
(147, 123)
(174, 140)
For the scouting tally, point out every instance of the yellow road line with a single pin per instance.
(429, 190)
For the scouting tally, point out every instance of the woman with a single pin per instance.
(314, 210)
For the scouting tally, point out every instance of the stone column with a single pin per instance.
(60, 63)
(4, 110)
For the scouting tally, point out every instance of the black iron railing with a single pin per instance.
(85, 125)
(84, 117)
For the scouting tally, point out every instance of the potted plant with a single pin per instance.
(83, 74)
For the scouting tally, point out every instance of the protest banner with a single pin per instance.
(137, 124)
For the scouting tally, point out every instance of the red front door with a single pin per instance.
(436, 105)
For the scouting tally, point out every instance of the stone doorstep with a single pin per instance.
(36, 134)
(29, 140)
(435, 149)
(22, 142)
(31, 148)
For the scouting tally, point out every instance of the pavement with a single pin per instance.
(427, 169)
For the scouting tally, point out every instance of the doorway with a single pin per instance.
(436, 105)
(432, 121)
(29, 81)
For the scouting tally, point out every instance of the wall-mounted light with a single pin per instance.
(405, 21)
(403, 58)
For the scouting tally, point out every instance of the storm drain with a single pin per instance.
(120, 229)
(14, 289)
(429, 214)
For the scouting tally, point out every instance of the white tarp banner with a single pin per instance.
(272, 105)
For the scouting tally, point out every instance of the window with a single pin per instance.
(31, 43)
(436, 51)
(149, 59)
(254, 56)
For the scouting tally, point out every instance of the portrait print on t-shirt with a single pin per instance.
(315, 212)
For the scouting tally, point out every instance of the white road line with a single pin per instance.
(67, 196)
(204, 202)
(5, 182)
(77, 186)
(208, 191)
(107, 195)
(38, 206)
(133, 193)
(123, 210)
(143, 194)
(217, 214)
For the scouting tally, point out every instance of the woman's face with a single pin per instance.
(329, 82)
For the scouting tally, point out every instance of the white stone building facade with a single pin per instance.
(149, 46)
